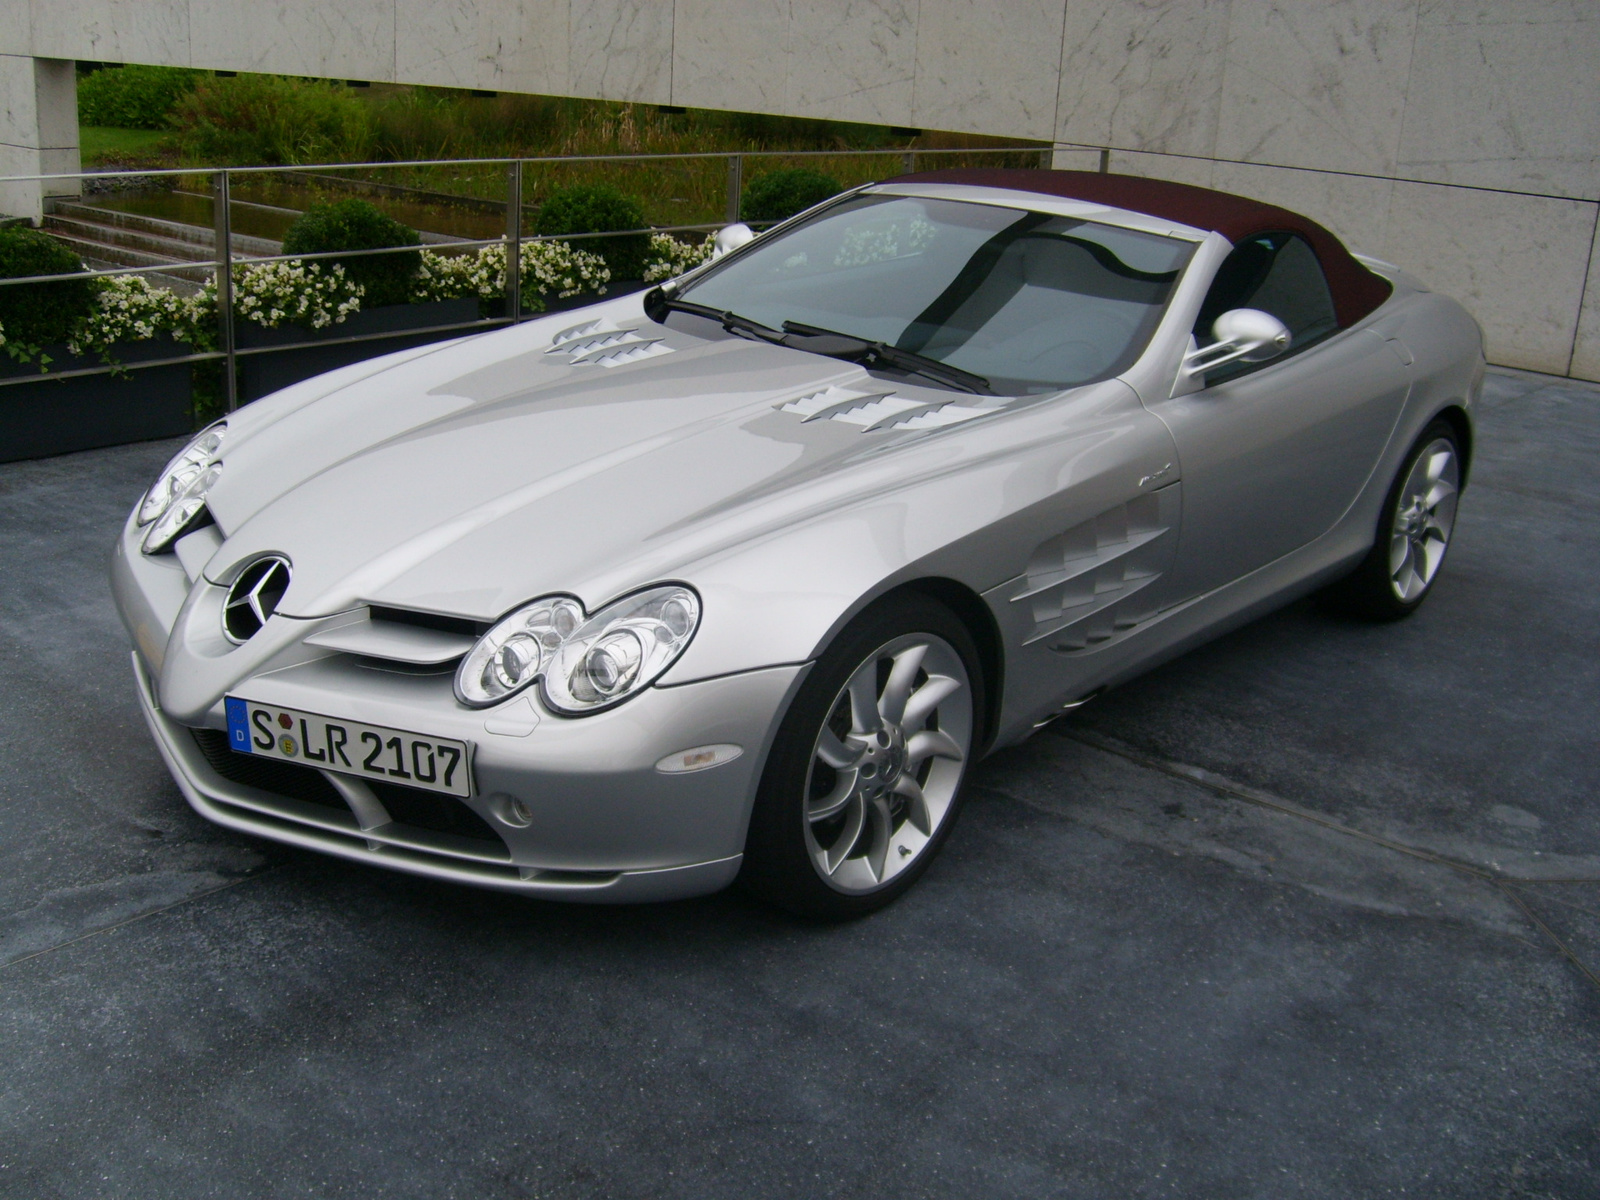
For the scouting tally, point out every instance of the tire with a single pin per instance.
(1413, 534)
(864, 780)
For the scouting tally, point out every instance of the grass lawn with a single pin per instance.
(101, 145)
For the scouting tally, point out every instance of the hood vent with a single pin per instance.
(604, 343)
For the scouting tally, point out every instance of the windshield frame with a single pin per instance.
(1020, 202)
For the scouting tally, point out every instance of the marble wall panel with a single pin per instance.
(1516, 262)
(1176, 167)
(852, 60)
(1511, 100)
(141, 31)
(1316, 83)
(1354, 207)
(521, 46)
(731, 54)
(19, 199)
(1074, 158)
(1142, 74)
(621, 50)
(987, 68)
(16, 30)
(1586, 347)
(353, 39)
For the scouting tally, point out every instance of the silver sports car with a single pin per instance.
(737, 578)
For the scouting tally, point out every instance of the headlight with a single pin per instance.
(177, 497)
(585, 664)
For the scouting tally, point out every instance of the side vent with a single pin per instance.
(1088, 585)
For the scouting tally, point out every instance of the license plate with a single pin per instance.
(349, 747)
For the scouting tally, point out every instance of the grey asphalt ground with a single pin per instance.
(1311, 912)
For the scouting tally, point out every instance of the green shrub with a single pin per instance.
(266, 120)
(357, 225)
(776, 195)
(133, 97)
(599, 208)
(40, 314)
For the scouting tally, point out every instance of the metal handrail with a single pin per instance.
(229, 352)
(553, 158)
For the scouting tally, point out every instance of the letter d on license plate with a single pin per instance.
(350, 747)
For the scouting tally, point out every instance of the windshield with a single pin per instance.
(1029, 301)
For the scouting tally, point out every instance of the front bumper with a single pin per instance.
(609, 835)
(593, 818)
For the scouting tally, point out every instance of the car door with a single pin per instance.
(1273, 454)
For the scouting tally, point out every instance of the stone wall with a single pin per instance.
(1457, 138)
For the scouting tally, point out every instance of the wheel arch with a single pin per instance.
(1456, 417)
(973, 613)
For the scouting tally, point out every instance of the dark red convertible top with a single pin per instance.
(1356, 290)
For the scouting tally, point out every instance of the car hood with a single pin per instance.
(553, 458)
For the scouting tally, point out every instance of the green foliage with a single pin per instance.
(133, 97)
(357, 225)
(776, 195)
(33, 315)
(599, 208)
(268, 120)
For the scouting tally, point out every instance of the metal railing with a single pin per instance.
(229, 353)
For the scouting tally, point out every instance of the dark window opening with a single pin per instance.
(1277, 273)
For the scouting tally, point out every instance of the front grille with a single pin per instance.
(430, 810)
(413, 807)
(268, 774)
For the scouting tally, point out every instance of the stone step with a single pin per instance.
(124, 225)
(175, 283)
(122, 256)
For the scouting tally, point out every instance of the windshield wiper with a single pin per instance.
(658, 303)
(871, 354)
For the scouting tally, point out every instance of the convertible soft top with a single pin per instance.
(1356, 290)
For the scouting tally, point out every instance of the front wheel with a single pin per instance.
(1413, 535)
(864, 779)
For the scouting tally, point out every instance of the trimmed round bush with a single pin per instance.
(777, 195)
(357, 225)
(599, 208)
(40, 314)
(133, 97)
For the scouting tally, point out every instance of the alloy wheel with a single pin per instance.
(888, 762)
(1424, 516)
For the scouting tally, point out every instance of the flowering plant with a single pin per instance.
(669, 258)
(294, 293)
(546, 267)
(129, 308)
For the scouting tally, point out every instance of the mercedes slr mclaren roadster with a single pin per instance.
(736, 578)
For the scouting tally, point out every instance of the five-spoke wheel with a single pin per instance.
(1413, 531)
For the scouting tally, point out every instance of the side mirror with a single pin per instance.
(730, 237)
(1241, 333)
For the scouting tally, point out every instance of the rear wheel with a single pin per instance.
(1413, 533)
(864, 779)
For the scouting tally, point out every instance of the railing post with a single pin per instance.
(1105, 161)
(735, 185)
(909, 162)
(514, 242)
(222, 226)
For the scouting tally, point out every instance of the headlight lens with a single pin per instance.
(586, 665)
(512, 654)
(177, 497)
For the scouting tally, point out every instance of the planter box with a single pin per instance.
(47, 416)
(405, 325)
